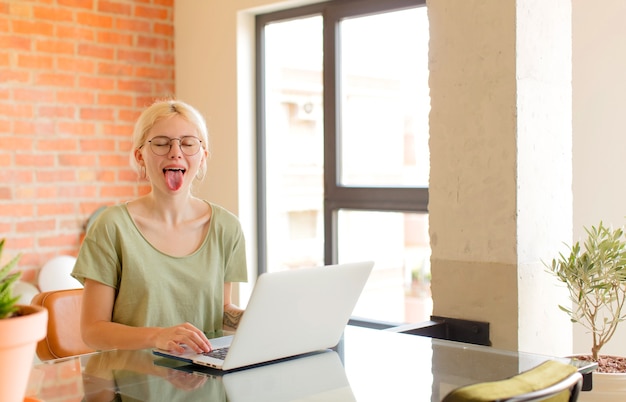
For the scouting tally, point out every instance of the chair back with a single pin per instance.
(63, 338)
(550, 381)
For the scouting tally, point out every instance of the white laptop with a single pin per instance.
(289, 313)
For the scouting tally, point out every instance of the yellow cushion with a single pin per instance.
(540, 377)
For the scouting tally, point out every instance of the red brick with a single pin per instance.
(134, 85)
(96, 113)
(154, 43)
(14, 76)
(14, 42)
(134, 56)
(16, 176)
(35, 225)
(76, 97)
(118, 191)
(99, 83)
(115, 38)
(128, 175)
(133, 25)
(106, 177)
(119, 69)
(98, 51)
(55, 208)
(55, 46)
(97, 145)
(33, 95)
(76, 160)
(16, 110)
(120, 129)
(33, 127)
(16, 144)
(87, 4)
(164, 29)
(44, 192)
(4, 59)
(18, 210)
(152, 12)
(20, 9)
(56, 176)
(94, 20)
(76, 65)
(114, 8)
(6, 193)
(116, 100)
(60, 240)
(78, 128)
(158, 73)
(113, 160)
(58, 144)
(35, 61)
(33, 160)
(53, 14)
(55, 79)
(32, 27)
(75, 33)
(57, 111)
(78, 191)
(166, 59)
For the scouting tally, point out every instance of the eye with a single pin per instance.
(189, 141)
(160, 142)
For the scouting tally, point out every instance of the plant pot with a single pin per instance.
(18, 340)
(607, 387)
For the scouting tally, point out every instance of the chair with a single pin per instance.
(63, 338)
(550, 381)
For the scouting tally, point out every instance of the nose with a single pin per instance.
(175, 149)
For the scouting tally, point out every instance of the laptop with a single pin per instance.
(289, 313)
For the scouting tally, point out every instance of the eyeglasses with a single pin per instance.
(162, 145)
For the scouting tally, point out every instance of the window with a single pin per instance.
(343, 159)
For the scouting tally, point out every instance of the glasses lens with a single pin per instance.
(189, 145)
(160, 145)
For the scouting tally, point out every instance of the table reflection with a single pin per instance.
(367, 365)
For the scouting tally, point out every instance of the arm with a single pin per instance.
(232, 313)
(99, 332)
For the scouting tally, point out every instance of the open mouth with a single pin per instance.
(174, 177)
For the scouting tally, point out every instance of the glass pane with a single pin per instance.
(294, 143)
(399, 287)
(385, 100)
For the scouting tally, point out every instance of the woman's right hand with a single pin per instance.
(173, 339)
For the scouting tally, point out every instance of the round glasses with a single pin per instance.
(162, 145)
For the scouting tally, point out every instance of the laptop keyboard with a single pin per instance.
(217, 353)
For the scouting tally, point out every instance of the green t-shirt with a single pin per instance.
(154, 289)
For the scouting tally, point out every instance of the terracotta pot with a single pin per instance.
(18, 340)
(607, 387)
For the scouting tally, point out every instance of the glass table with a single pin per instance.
(367, 365)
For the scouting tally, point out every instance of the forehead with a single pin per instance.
(175, 126)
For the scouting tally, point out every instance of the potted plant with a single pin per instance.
(21, 327)
(595, 276)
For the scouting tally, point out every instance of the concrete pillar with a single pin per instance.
(501, 156)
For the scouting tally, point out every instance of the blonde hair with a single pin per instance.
(164, 109)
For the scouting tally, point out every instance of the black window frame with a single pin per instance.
(336, 197)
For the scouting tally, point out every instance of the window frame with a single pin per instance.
(336, 197)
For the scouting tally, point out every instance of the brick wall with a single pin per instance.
(74, 75)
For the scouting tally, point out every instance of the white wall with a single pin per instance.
(599, 111)
(209, 49)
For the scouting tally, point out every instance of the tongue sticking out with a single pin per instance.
(174, 179)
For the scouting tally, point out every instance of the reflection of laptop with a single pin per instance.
(289, 313)
(319, 376)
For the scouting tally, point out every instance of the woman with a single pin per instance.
(158, 270)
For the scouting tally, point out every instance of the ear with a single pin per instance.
(139, 157)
